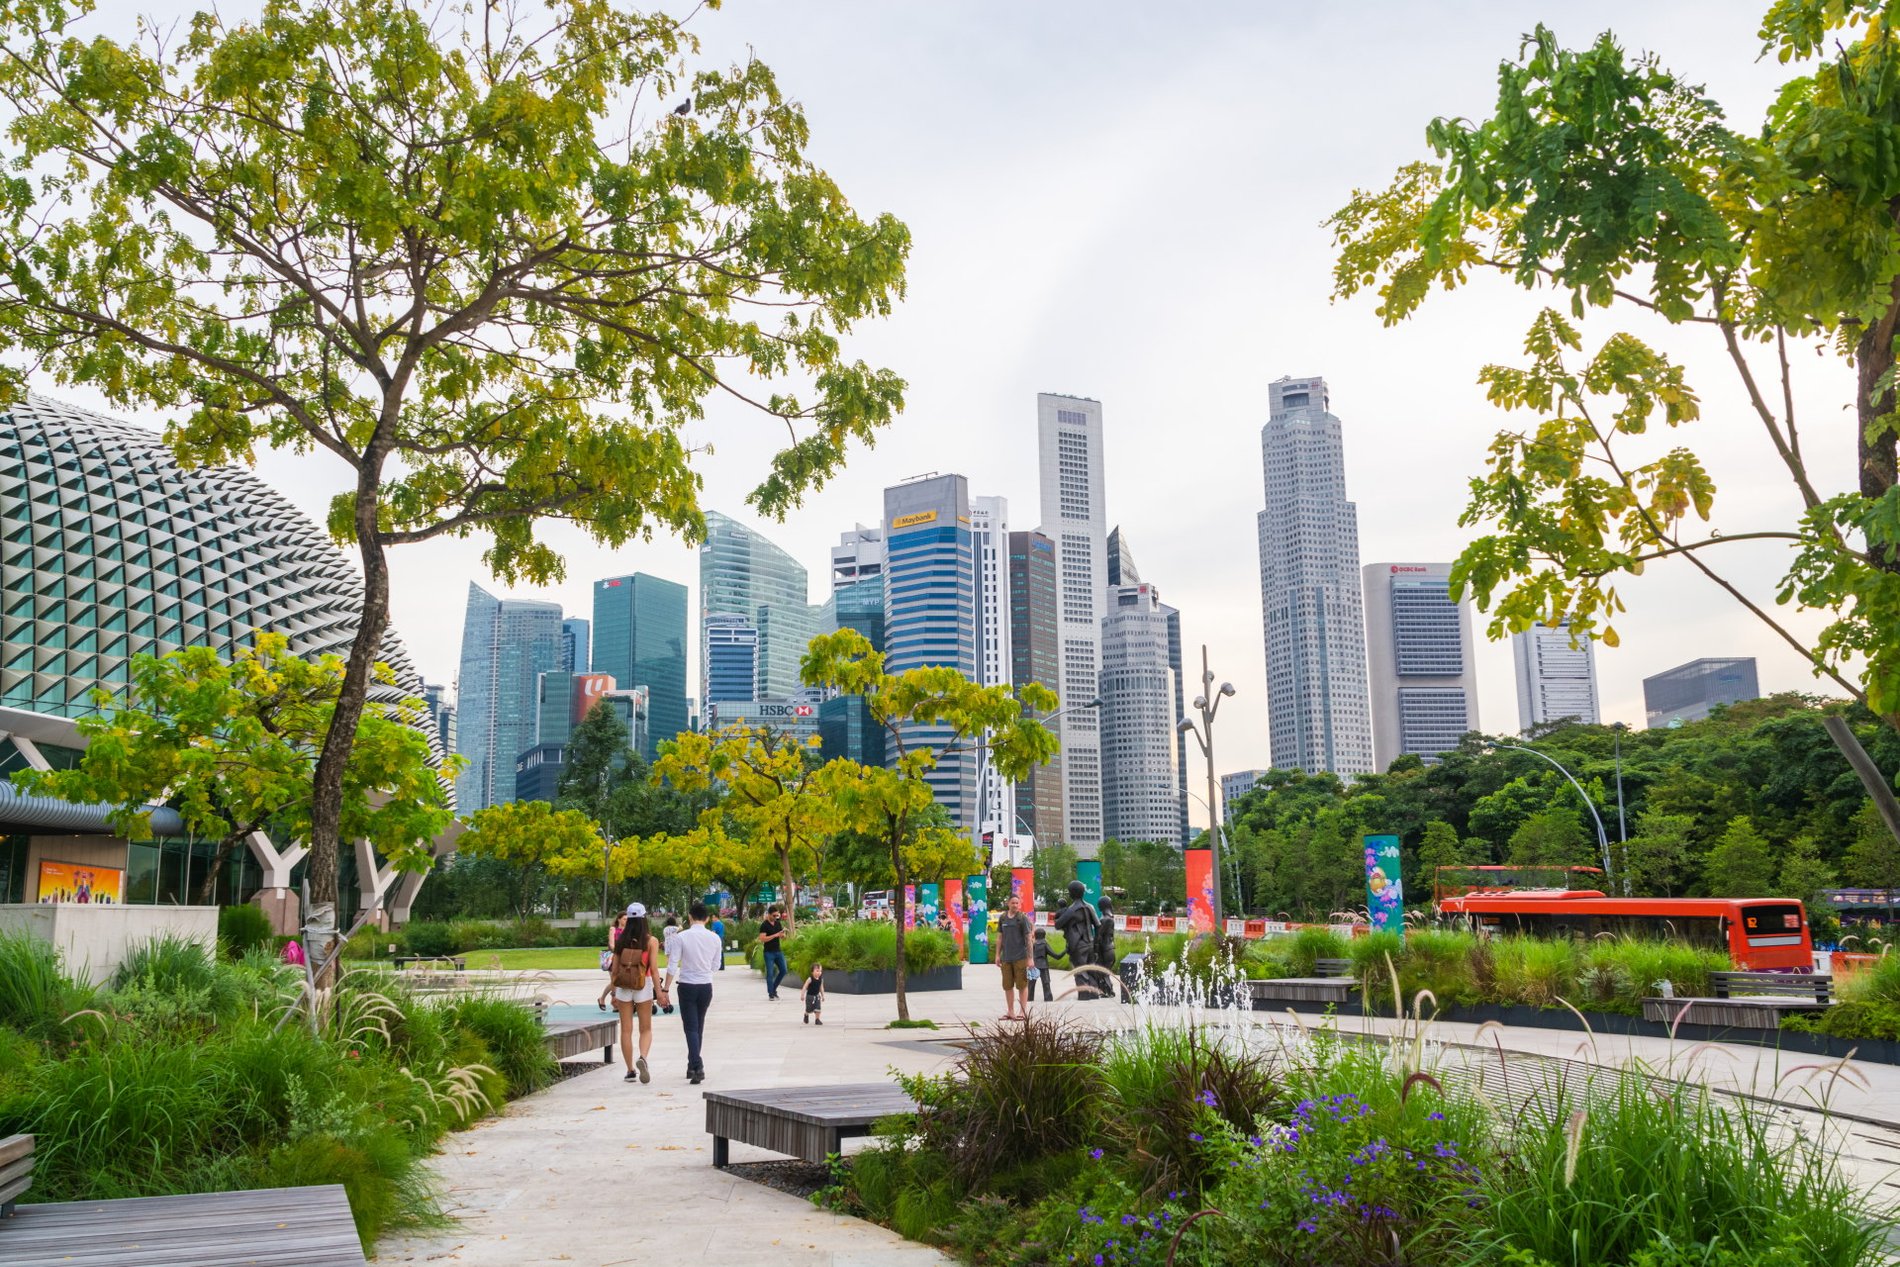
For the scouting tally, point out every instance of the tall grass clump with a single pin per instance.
(36, 997)
(1533, 972)
(512, 1036)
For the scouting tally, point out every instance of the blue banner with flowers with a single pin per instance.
(1385, 892)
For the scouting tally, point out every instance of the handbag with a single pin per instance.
(606, 961)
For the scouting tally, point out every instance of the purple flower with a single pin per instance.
(1195, 1136)
(1307, 1226)
(1095, 1154)
(1208, 1098)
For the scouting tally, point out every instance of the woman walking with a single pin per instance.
(636, 982)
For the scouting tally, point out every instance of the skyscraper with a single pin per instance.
(1121, 560)
(743, 574)
(640, 640)
(858, 556)
(441, 710)
(930, 614)
(1141, 785)
(1122, 571)
(989, 544)
(1035, 655)
(1554, 679)
(507, 643)
(576, 653)
(1309, 588)
(1419, 649)
(732, 660)
(1069, 441)
(1690, 691)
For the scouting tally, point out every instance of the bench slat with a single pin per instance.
(14, 1147)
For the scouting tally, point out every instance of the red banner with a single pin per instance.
(1200, 890)
(953, 904)
(1022, 885)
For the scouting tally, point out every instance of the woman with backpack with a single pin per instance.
(636, 982)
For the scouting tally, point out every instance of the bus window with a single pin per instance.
(1777, 924)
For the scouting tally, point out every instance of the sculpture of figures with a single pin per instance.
(1105, 944)
(1077, 924)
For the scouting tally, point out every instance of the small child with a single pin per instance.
(1039, 953)
(814, 992)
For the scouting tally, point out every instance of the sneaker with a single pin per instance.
(631, 1077)
(641, 1065)
(819, 1021)
(808, 1018)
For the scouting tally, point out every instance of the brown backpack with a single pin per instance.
(630, 970)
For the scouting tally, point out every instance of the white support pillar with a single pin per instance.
(373, 881)
(29, 750)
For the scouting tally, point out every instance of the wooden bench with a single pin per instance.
(284, 1227)
(1812, 986)
(806, 1122)
(1746, 1000)
(1333, 983)
(16, 1171)
(458, 962)
(1332, 968)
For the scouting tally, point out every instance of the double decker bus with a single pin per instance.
(1763, 934)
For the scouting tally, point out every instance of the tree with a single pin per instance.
(888, 799)
(233, 746)
(766, 782)
(1803, 875)
(1873, 859)
(1054, 865)
(1660, 858)
(1740, 865)
(1439, 848)
(537, 839)
(488, 267)
(1552, 837)
(1619, 184)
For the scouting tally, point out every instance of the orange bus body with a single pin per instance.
(1762, 934)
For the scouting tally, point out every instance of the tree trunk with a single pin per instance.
(785, 892)
(899, 909)
(326, 809)
(207, 887)
(1870, 775)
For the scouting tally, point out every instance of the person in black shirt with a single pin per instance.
(772, 937)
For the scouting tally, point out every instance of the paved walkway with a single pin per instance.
(601, 1172)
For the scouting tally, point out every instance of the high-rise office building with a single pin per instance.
(930, 615)
(1419, 649)
(858, 556)
(1690, 691)
(1309, 588)
(856, 605)
(989, 546)
(1234, 786)
(743, 574)
(1141, 784)
(1035, 655)
(1555, 680)
(1122, 571)
(640, 641)
(732, 659)
(1074, 517)
(507, 643)
(1121, 560)
(441, 710)
(576, 649)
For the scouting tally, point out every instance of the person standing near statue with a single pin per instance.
(1076, 922)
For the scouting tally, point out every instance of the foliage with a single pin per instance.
(1152, 876)
(536, 839)
(854, 945)
(36, 996)
(243, 929)
(1740, 865)
(512, 1036)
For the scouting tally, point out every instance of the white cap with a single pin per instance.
(636, 910)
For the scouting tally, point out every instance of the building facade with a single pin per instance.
(507, 644)
(440, 704)
(1421, 657)
(743, 574)
(1141, 784)
(858, 556)
(1555, 680)
(1311, 608)
(576, 645)
(732, 659)
(1035, 655)
(989, 545)
(1074, 517)
(1234, 786)
(1689, 692)
(930, 615)
(1121, 560)
(796, 718)
(640, 641)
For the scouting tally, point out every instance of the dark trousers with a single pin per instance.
(775, 971)
(693, 1001)
(1048, 994)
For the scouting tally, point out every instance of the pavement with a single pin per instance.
(603, 1172)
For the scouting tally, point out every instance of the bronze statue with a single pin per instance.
(1077, 924)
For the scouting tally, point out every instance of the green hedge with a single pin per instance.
(851, 945)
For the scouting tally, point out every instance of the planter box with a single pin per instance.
(884, 980)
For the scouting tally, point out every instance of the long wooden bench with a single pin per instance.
(284, 1227)
(806, 1122)
(1333, 983)
(16, 1171)
(1815, 986)
(1746, 1000)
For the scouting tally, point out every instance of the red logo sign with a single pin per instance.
(803, 710)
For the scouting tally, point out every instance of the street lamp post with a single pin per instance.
(1208, 702)
(1603, 837)
(1240, 895)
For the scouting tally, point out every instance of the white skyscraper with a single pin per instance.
(1141, 786)
(1419, 650)
(1554, 679)
(989, 543)
(1309, 588)
(1069, 440)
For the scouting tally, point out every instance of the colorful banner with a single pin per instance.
(910, 906)
(953, 905)
(977, 902)
(1385, 893)
(1022, 885)
(1089, 872)
(71, 882)
(1200, 889)
(928, 907)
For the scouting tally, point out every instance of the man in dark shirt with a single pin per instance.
(1012, 934)
(772, 938)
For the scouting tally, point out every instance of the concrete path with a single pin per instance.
(602, 1172)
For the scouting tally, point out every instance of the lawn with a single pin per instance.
(553, 957)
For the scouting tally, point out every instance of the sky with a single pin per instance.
(1125, 201)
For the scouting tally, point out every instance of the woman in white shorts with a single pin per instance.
(637, 945)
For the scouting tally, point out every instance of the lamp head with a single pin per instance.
(1200, 701)
(1226, 688)
(1185, 726)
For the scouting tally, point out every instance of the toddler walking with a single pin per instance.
(814, 992)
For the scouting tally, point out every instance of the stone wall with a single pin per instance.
(93, 940)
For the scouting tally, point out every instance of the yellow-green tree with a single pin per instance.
(538, 840)
(768, 787)
(886, 800)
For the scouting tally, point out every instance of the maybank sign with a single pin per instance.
(911, 521)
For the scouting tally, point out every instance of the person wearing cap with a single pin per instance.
(636, 983)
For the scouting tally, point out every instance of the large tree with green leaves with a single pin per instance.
(1607, 178)
(492, 259)
(935, 701)
(233, 746)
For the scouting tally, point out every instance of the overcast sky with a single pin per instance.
(1124, 201)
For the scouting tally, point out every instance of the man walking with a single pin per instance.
(1012, 932)
(772, 938)
(691, 969)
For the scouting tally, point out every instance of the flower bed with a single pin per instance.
(1047, 1145)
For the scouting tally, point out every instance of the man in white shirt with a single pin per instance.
(698, 953)
(669, 937)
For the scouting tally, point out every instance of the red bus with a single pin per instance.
(1463, 878)
(1759, 933)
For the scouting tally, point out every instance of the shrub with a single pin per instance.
(1533, 972)
(1166, 1082)
(1309, 946)
(168, 962)
(850, 945)
(242, 929)
(35, 996)
(430, 939)
(512, 1036)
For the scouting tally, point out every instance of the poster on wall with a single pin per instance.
(1022, 886)
(928, 905)
(1200, 889)
(910, 906)
(72, 882)
(953, 907)
(1089, 872)
(976, 891)
(1385, 894)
